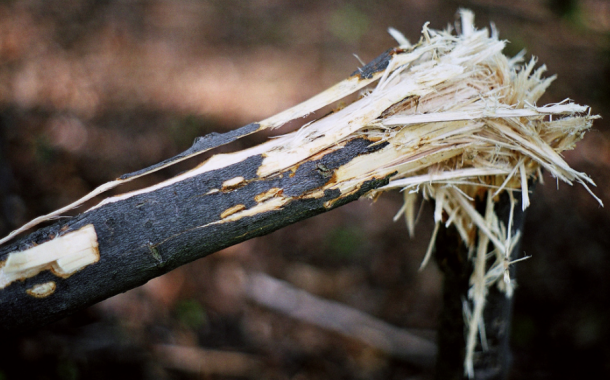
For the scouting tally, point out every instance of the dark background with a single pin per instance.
(90, 90)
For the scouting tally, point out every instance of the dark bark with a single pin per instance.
(147, 235)
(452, 258)
(201, 144)
(378, 64)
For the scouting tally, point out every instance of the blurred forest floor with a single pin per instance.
(90, 90)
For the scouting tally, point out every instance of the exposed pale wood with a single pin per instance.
(144, 235)
(450, 117)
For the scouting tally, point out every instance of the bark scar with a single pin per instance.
(42, 290)
(63, 256)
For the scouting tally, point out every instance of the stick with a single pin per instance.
(450, 117)
(494, 361)
(393, 341)
(124, 243)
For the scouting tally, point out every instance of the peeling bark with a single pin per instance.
(143, 236)
(451, 118)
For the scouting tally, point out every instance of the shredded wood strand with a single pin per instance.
(460, 120)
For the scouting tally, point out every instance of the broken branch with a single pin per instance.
(450, 117)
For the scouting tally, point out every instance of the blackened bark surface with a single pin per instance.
(378, 64)
(200, 145)
(452, 258)
(147, 235)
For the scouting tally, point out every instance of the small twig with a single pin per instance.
(299, 304)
